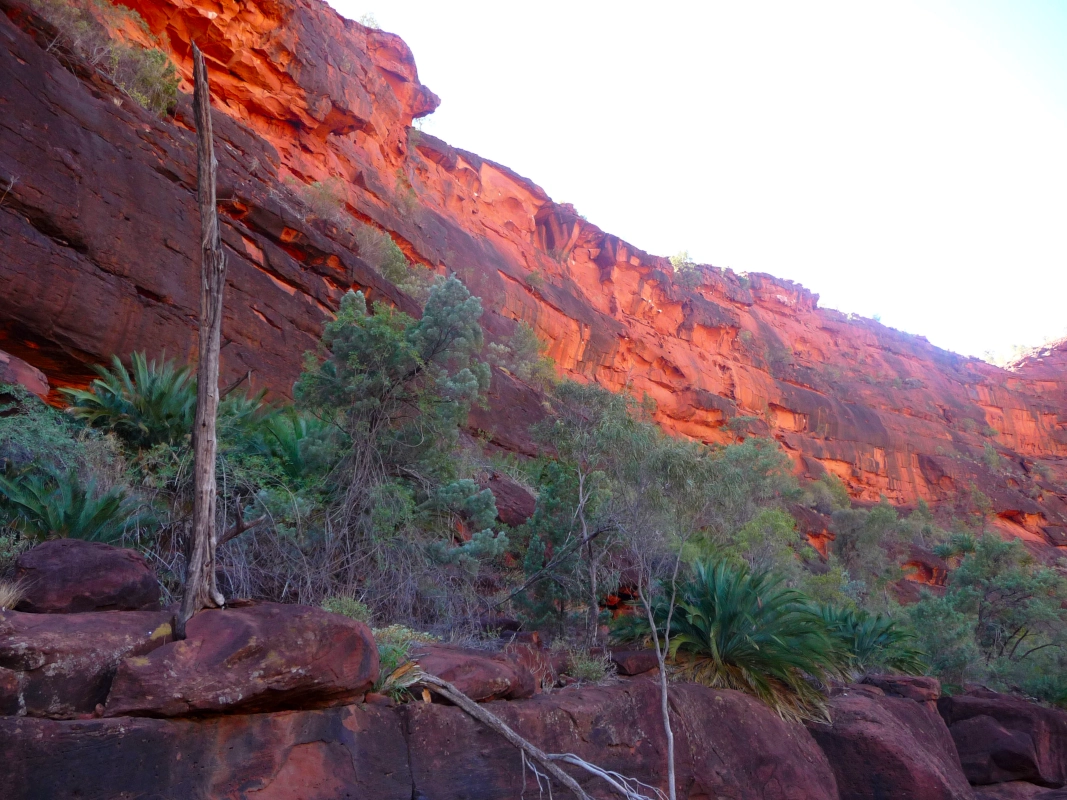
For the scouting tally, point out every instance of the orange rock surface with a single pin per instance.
(319, 98)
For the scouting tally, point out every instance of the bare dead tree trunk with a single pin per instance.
(663, 648)
(200, 589)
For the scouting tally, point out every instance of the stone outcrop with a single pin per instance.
(69, 576)
(729, 746)
(98, 247)
(481, 676)
(890, 747)
(257, 657)
(62, 665)
(1004, 739)
(344, 752)
(16, 371)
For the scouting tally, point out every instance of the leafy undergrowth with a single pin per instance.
(376, 507)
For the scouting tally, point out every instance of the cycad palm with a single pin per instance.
(46, 506)
(876, 643)
(737, 630)
(151, 404)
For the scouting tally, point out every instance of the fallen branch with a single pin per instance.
(627, 788)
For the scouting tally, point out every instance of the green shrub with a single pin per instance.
(991, 457)
(401, 635)
(83, 30)
(523, 355)
(348, 607)
(324, 199)
(588, 667)
(33, 434)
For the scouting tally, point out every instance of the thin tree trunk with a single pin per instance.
(200, 589)
(663, 647)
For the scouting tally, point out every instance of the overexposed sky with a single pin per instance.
(905, 159)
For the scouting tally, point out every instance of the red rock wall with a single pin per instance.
(98, 256)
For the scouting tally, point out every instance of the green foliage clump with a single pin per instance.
(523, 355)
(686, 271)
(84, 31)
(875, 643)
(348, 607)
(1002, 619)
(151, 404)
(736, 629)
(378, 249)
(395, 391)
(828, 494)
(991, 457)
(42, 506)
(324, 199)
(34, 435)
(588, 667)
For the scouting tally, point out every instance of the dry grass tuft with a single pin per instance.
(11, 593)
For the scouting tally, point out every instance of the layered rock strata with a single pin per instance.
(98, 255)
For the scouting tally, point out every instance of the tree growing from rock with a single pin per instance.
(200, 588)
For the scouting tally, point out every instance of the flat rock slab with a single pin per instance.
(261, 657)
(350, 753)
(1001, 738)
(69, 576)
(890, 748)
(61, 665)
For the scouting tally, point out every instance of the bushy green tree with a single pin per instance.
(394, 391)
(868, 544)
(1002, 618)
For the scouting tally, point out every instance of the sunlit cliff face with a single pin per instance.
(102, 258)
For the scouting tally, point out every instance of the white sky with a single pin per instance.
(906, 159)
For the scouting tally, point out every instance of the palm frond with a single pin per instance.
(150, 404)
(45, 505)
(876, 642)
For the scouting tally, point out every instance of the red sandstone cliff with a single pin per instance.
(98, 256)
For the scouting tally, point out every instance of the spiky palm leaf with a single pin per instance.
(43, 506)
(289, 437)
(153, 403)
(739, 630)
(876, 643)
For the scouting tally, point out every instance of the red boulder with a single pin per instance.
(262, 657)
(62, 665)
(889, 748)
(514, 503)
(481, 675)
(1002, 738)
(68, 576)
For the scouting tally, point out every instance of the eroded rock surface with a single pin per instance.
(480, 675)
(728, 745)
(62, 665)
(1003, 739)
(261, 657)
(70, 576)
(334, 754)
(890, 748)
(98, 252)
